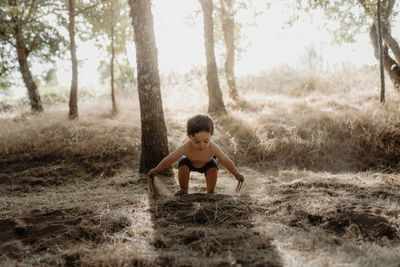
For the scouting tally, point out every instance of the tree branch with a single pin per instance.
(31, 11)
(34, 44)
(11, 43)
(389, 8)
(89, 7)
(391, 42)
(365, 6)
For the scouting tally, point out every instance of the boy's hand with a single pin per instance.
(152, 173)
(152, 186)
(240, 179)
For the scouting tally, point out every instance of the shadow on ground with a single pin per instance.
(209, 230)
(29, 174)
(49, 231)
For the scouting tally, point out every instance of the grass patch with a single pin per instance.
(321, 180)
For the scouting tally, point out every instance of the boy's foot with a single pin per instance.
(211, 192)
(181, 192)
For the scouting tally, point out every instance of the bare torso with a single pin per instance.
(198, 157)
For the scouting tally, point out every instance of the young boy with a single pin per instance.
(198, 154)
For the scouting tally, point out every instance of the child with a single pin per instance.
(197, 154)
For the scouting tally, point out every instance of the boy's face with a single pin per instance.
(200, 140)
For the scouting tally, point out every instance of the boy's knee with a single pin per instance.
(184, 168)
(212, 171)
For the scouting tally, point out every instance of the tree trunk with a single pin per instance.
(380, 46)
(73, 97)
(386, 29)
(154, 132)
(114, 104)
(228, 27)
(391, 66)
(391, 42)
(215, 102)
(33, 93)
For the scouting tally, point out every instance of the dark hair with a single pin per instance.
(200, 123)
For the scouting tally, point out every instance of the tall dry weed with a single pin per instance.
(339, 125)
(52, 135)
(285, 119)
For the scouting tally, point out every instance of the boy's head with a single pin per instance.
(200, 123)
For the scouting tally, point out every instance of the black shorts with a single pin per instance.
(211, 164)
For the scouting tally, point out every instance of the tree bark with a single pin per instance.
(154, 131)
(228, 28)
(33, 93)
(73, 97)
(391, 42)
(215, 101)
(386, 12)
(389, 7)
(22, 54)
(114, 103)
(380, 46)
(391, 66)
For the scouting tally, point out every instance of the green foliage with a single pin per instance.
(109, 17)
(124, 74)
(5, 84)
(6, 68)
(351, 19)
(9, 103)
(109, 24)
(53, 94)
(344, 18)
(32, 24)
(50, 78)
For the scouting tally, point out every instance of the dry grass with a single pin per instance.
(319, 153)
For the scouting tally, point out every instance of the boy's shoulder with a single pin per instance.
(213, 145)
(185, 146)
(182, 149)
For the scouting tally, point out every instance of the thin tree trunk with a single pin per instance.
(114, 104)
(73, 97)
(215, 102)
(391, 66)
(33, 93)
(228, 27)
(381, 67)
(154, 131)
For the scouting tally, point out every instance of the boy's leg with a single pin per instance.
(183, 178)
(211, 179)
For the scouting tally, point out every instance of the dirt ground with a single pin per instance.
(321, 185)
(57, 212)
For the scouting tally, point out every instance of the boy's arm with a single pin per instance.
(227, 162)
(168, 160)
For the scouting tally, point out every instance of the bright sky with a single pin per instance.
(181, 47)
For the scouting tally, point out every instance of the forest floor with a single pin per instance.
(70, 195)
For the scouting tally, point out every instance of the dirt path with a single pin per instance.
(281, 218)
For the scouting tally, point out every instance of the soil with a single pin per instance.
(58, 212)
